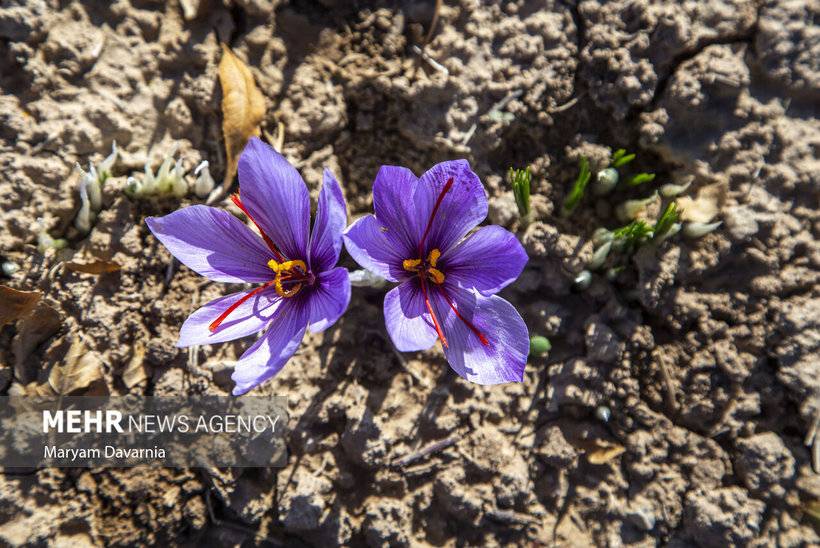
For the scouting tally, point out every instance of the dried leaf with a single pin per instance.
(243, 107)
(605, 453)
(34, 328)
(705, 206)
(137, 370)
(599, 451)
(96, 267)
(79, 369)
(15, 304)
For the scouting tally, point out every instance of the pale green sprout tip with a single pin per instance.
(599, 256)
(670, 191)
(365, 278)
(605, 181)
(698, 230)
(632, 208)
(204, 182)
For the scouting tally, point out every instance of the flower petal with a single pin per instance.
(269, 354)
(488, 260)
(407, 318)
(461, 209)
(331, 220)
(328, 298)
(504, 359)
(393, 192)
(213, 243)
(251, 316)
(369, 246)
(276, 197)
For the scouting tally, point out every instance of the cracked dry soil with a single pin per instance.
(706, 352)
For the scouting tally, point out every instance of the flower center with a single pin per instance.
(427, 267)
(291, 274)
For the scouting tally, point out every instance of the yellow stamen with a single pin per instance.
(411, 264)
(436, 274)
(282, 268)
(433, 257)
(287, 265)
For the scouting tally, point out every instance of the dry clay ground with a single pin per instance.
(706, 351)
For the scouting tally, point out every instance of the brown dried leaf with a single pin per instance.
(15, 304)
(79, 369)
(704, 207)
(96, 267)
(600, 451)
(137, 370)
(243, 107)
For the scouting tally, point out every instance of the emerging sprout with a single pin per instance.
(578, 188)
(638, 179)
(599, 256)
(167, 181)
(620, 158)
(632, 235)
(601, 236)
(670, 191)
(698, 230)
(90, 189)
(520, 180)
(632, 208)
(204, 182)
(666, 222)
(605, 181)
(45, 241)
(539, 346)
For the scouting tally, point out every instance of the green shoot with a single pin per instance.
(620, 158)
(539, 346)
(578, 189)
(633, 234)
(669, 217)
(520, 180)
(638, 179)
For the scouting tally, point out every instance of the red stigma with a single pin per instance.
(235, 305)
(433, 314)
(238, 202)
(475, 330)
(433, 215)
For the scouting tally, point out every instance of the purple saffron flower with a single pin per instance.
(299, 287)
(448, 283)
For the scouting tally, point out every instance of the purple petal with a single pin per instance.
(276, 197)
(461, 209)
(213, 243)
(393, 204)
(269, 354)
(407, 318)
(251, 316)
(369, 246)
(328, 298)
(488, 260)
(505, 357)
(331, 220)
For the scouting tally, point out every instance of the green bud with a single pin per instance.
(539, 346)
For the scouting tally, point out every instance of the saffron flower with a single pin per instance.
(299, 284)
(447, 282)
